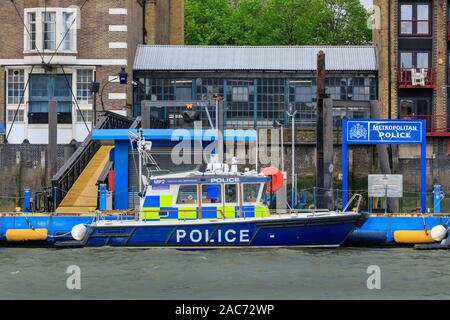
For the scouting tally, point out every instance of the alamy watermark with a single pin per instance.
(374, 19)
(248, 146)
(374, 280)
(73, 281)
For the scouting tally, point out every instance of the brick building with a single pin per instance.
(412, 41)
(55, 49)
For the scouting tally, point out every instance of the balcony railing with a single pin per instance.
(415, 28)
(437, 124)
(415, 78)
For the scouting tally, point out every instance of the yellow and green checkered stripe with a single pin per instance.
(155, 207)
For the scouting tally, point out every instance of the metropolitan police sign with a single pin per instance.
(378, 131)
(384, 131)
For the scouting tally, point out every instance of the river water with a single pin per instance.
(118, 273)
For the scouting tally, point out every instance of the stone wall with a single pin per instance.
(24, 166)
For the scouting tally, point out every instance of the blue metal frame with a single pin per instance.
(225, 102)
(206, 180)
(364, 137)
(255, 103)
(121, 174)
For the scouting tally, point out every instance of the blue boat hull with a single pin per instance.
(58, 227)
(327, 231)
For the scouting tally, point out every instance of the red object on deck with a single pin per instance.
(111, 180)
(277, 178)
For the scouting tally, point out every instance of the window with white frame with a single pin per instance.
(87, 115)
(240, 94)
(18, 114)
(15, 86)
(31, 16)
(67, 21)
(50, 29)
(84, 80)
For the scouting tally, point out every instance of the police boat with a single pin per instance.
(218, 208)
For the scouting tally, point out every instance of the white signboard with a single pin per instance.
(380, 184)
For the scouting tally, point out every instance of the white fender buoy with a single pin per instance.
(78, 232)
(438, 232)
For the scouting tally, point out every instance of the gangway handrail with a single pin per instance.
(104, 174)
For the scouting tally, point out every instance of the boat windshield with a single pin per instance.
(187, 194)
(211, 193)
(251, 192)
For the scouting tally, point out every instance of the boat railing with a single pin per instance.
(297, 211)
(356, 195)
(200, 211)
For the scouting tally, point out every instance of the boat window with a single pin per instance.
(251, 191)
(231, 193)
(211, 193)
(187, 194)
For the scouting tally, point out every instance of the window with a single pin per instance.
(415, 20)
(414, 60)
(406, 60)
(49, 30)
(19, 115)
(183, 89)
(84, 80)
(211, 193)
(187, 194)
(206, 89)
(240, 94)
(86, 114)
(406, 23)
(44, 88)
(231, 193)
(415, 107)
(270, 99)
(15, 86)
(422, 19)
(66, 35)
(240, 103)
(32, 29)
(251, 191)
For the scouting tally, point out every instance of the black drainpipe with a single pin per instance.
(389, 62)
(144, 30)
(5, 83)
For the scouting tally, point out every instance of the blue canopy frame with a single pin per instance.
(159, 137)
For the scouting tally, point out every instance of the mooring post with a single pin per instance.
(315, 197)
(52, 140)
(423, 169)
(26, 200)
(336, 200)
(102, 197)
(437, 198)
(385, 199)
(324, 139)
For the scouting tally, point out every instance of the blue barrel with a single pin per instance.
(366, 238)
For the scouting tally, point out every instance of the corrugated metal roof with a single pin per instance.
(296, 58)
